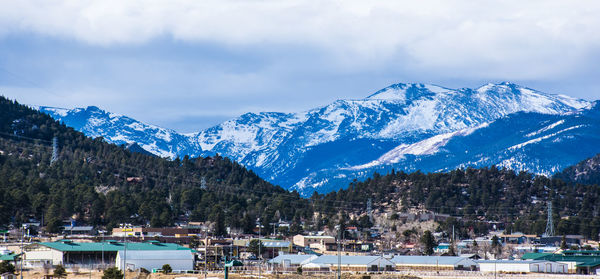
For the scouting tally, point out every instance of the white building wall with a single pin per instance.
(504, 267)
(178, 259)
(39, 257)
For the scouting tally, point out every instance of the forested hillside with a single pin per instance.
(104, 184)
(515, 199)
(585, 172)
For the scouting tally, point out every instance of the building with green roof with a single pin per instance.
(579, 261)
(89, 254)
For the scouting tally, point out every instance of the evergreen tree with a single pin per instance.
(428, 242)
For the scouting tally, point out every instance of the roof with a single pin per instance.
(319, 236)
(507, 262)
(294, 259)
(276, 244)
(67, 246)
(534, 256)
(157, 255)
(78, 228)
(428, 260)
(8, 257)
(348, 260)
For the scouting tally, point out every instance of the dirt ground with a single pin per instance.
(82, 274)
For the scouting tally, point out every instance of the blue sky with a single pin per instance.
(188, 65)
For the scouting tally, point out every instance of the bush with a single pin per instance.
(166, 269)
(6, 267)
(112, 273)
(299, 270)
(60, 271)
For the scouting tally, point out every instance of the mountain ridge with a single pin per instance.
(289, 148)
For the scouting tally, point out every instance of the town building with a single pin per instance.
(520, 266)
(433, 263)
(179, 260)
(89, 254)
(352, 263)
(317, 242)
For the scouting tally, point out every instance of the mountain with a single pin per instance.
(585, 172)
(104, 184)
(120, 129)
(321, 149)
(524, 141)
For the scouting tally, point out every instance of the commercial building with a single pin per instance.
(578, 261)
(152, 259)
(89, 254)
(317, 242)
(510, 266)
(352, 263)
(433, 263)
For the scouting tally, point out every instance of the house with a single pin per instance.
(78, 230)
(352, 263)
(433, 263)
(155, 259)
(318, 242)
(86, 254)
(508, 266)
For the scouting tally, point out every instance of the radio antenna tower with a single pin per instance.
(370, 209)
(549, 224)
(54, 150)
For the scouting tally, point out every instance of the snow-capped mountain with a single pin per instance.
(120, 129)
(321, 149)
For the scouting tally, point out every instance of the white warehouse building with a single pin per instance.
(149, 260)
(491, 266)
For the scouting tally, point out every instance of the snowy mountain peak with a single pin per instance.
(403, 120)
(407, 91)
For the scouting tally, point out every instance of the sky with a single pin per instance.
(188, 65)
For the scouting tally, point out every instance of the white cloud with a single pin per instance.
(551, 37)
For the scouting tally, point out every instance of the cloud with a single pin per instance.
(175, 63)
(489, 36)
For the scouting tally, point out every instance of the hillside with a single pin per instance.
(310, 150)
(585, 172)
(104, 184)
(514, 201)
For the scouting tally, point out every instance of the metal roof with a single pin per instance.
(276, 244)
(8, 257)
(507, 261)
(349, 260)
(67, 246)
(428, 260)
(157, 255)
(294, 259)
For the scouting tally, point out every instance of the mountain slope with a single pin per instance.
(585, 172)
(103, 184)
(119, 129)
(290, 149)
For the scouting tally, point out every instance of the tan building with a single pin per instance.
(318, 242)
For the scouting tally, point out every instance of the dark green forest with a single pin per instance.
(103, 184)
(516, 200)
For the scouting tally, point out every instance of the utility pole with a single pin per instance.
(339, 267)
(22, 252)
(259, 251)
(205, 250)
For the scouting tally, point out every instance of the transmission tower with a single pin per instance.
(370, 210)
(203, 183)
(549, 223)
(54, 150)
